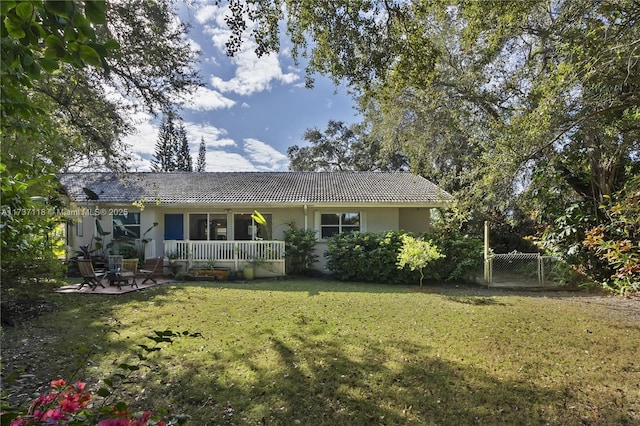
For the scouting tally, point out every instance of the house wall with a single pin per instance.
(415, 219)
(373, 219)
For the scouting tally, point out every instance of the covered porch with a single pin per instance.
(268, 257)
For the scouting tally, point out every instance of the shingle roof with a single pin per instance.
(240, 188)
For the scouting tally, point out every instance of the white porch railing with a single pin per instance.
(238, 252)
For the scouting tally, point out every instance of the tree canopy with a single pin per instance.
(341, 148)
(516, 106)
(72, 72)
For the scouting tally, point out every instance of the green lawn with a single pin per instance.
(321, 352)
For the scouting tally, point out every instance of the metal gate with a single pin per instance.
(521, 270)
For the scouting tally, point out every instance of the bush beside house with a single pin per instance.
(373, 257)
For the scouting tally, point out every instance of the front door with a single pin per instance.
(173, 226)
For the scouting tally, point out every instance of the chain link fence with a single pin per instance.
(523, 270)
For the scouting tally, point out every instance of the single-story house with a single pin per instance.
(204, 216)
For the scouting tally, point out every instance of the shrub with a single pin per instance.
(616, 242)
(373, 257)
(463, 254)
(299, 247)
(368, 257)
(417, 253)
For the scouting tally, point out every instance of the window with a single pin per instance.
(338, 223)
(245, 228)
(207, 226)
(126, 226)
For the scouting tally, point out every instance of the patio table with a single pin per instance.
(114, 277)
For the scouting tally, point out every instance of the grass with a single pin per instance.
(320, 352)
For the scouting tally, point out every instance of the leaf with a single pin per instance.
(260, 220)
(103, 392)
(14, 27)
(27, 60)
(89, 55)
(24, 10)
(59, 7)
(96, 10)
(6, 6)
(49, 65)
(55, 48)
(111, 44)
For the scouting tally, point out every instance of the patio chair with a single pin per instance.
(89, 276)
(128, 271)
(149, 274)
(114, 262)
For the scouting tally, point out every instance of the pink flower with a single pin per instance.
(58, 383)
(70, 405)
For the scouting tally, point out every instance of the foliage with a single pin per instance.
(494, 100)
(136, 247)
(373, 257)
(261, 221)
(58, 79)
(417, 254)
(367, 257)
(463, 252)
(341, 148)
(299, 246)
(41, 36)
(172, 148)
(183, 154)
(201, 166)
(617, 241)
(101, 246)
(71, 403)
(27, 228)
(67, 68)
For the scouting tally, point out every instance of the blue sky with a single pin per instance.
(251, 109)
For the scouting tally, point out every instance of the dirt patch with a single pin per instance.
(15, 312)
(623, 308)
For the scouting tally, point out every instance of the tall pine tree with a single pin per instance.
(202, 160)
(172, 148)
(183, 154)
(164, 157)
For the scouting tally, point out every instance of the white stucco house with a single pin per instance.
(202, 216)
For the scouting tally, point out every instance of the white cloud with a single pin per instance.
(253, 74)
(223, 161)
(266, 157)
(204, 99)
(213, 136)
(143, 141)
(207, 13)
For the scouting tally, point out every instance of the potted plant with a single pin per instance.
(173, 257)
(249, 270)
(251, 266)
(209, 269)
